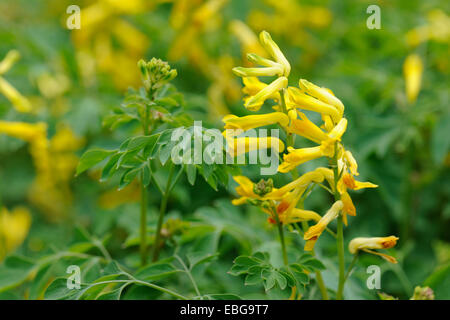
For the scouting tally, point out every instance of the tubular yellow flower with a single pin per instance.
(365, 244)
(296, 157)
(351, 183)
(252, 86)
(349, 207)
(314, 232)
(254, 121)
(302, 182)
(412, 71)
(246, 187)
(287, 211)
(306, 128)
(351, 163)
(274, 51)
(298, 99)
(254, 103)
(258, 72)
(322, 94)
(14, 227)
(238, 146)
(299, 215)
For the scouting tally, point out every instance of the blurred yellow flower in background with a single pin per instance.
(19, 102)
(437, 29)
(14, 227)
(54, 162)
(412, 71)
(109, 42)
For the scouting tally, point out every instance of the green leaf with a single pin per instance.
(439, 281)
(299, 274)
(237, 270)
(128, 177)
(146, 175)
(156, 271)
(114, 294)
(110, 167)
(253, 279)
(191, 173)
(197, 258)
(14, 271)
(223, 296)
(92, 157)
(246, 261)
(270, 281)
(281, 280)
(313, 264)
(165, 152)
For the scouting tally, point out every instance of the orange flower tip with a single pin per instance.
(282, 207)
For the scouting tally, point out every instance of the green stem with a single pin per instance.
(162, 212)
(350, 268)
(143, 220)
(340, 248)
(283, 244)
(189, 274)
(319, 278)
(340, 230)
(143, 247)
(281, 234)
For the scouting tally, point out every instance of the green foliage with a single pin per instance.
(258, 269)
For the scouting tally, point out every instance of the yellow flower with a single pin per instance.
(19, 102)
(351, 183)
(299, 99)
(351, 163)
(316, 230)
(348, 208)
(254, 121)
(14, 227)
(246, 187)
(412, 71)
(299, 215)
(323, 94)
(296, 157)
(254, 102)
(280, 68)
(238, 146)
(306, 128)
(365, 244)
(273, 49)
(287, 211)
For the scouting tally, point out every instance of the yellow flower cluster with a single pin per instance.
(291, 102)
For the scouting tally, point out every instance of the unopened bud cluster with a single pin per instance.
(156, 73)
